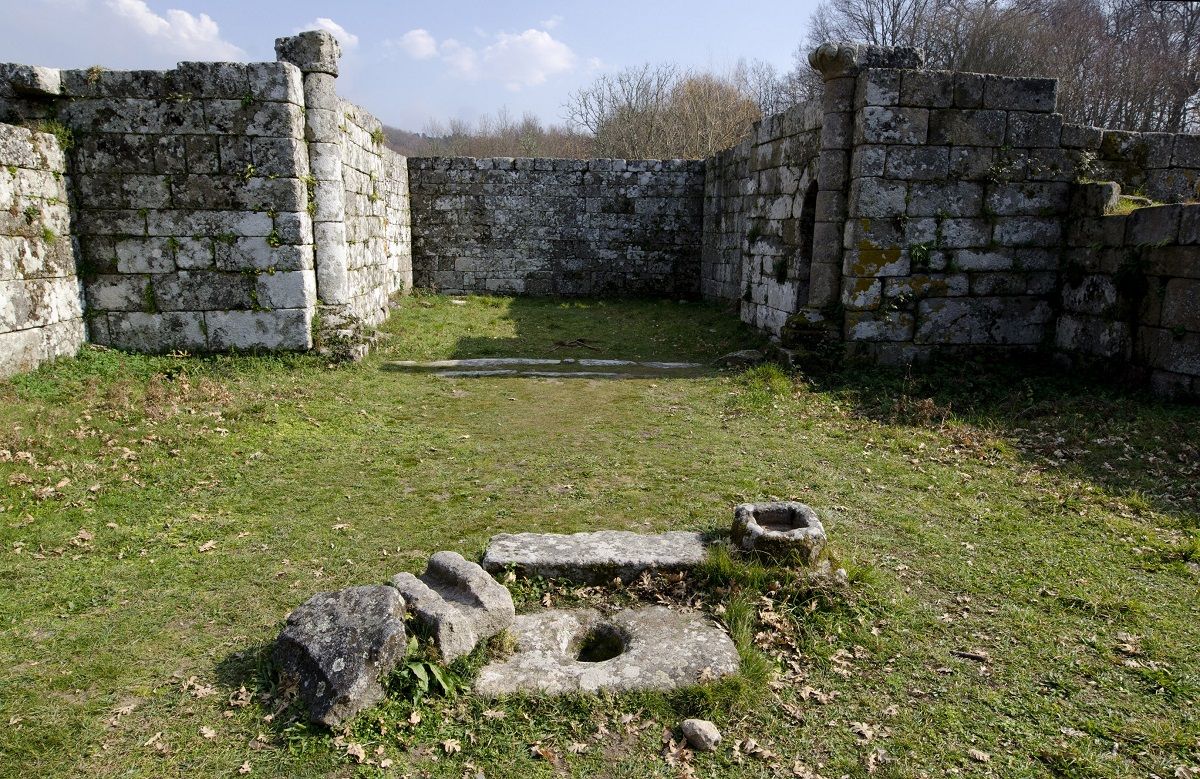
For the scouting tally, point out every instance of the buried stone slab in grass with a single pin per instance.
(648, 648)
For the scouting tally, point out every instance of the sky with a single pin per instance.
(413, 62)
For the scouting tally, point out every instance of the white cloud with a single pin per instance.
(552, 22)
(526, 59)
(348, 39)
(418, 44)
(177, 32)
(460, 57)
(516, 60)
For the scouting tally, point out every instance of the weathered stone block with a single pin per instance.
(337, 647)
(289, 329)
(1154, 225)
(647, 648)
(922, 163)
(1034, 129)
(946, 199)
(869, 261)
(967, 127)
(1026, 231)
(117, 293)
(876, 197)
(286, 289)
(594, 557)
(878, 87)
(968, 90)
(313, 51)
(1078, 136)
(879, 326)
(1032, 199)
(202, 291)
(1020, 94)
(998, 321)
(878, 124)
(927, 88)
(970, 162)
(862, 294)
(139, 331)
(457, 603)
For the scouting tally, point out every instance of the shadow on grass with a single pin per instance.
(1079, 423)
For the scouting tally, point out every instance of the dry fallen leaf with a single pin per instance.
(357, 752)
(244, 768)
(451, 746)
(207, 546)
(493, 714)
(208, 732)
(978, 756)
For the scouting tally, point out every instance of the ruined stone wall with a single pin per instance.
(726, 184)
(379, 255)
(759, 220)
(189, 203)
(41, 313)
(958, 190)
(1162, 166)
(557, 227)
(1130, 293)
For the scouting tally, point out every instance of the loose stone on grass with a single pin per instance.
(649, 648)
(457, 602)
(701, 734)
(336, 647)
(594, 558)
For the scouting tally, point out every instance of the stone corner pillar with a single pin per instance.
(316, 53)
(839, 65)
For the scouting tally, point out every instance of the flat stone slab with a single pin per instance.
(457, 602)
(549, 368)
(336, 647)
(656, 648)
(594, 558)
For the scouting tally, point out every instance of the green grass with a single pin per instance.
(1047, 521)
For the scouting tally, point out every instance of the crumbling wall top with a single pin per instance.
(313, 51)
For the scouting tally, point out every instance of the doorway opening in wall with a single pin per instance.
(808, 229)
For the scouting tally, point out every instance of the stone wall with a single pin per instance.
(378, 231)
(190, 208)
(957, 192)
(41, 315)
(1162, 166)
(759, 218)
(557, 227)
(1130, 293)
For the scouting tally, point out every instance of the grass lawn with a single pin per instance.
(1023, 551)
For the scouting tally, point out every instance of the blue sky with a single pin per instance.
(411, 62)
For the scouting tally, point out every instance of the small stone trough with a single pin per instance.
(779, 528)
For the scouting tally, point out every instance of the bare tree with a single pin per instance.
(1120, 63)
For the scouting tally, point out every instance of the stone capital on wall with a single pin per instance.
(838, 60)
(313, 51)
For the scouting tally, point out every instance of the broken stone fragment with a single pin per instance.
(594, 558)
(338, 645)
(457, 602)
(649, 648)
(778, 528)
(701, 734)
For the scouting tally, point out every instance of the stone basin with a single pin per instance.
(779, 528)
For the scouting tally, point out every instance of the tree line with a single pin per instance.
(1131, 64)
